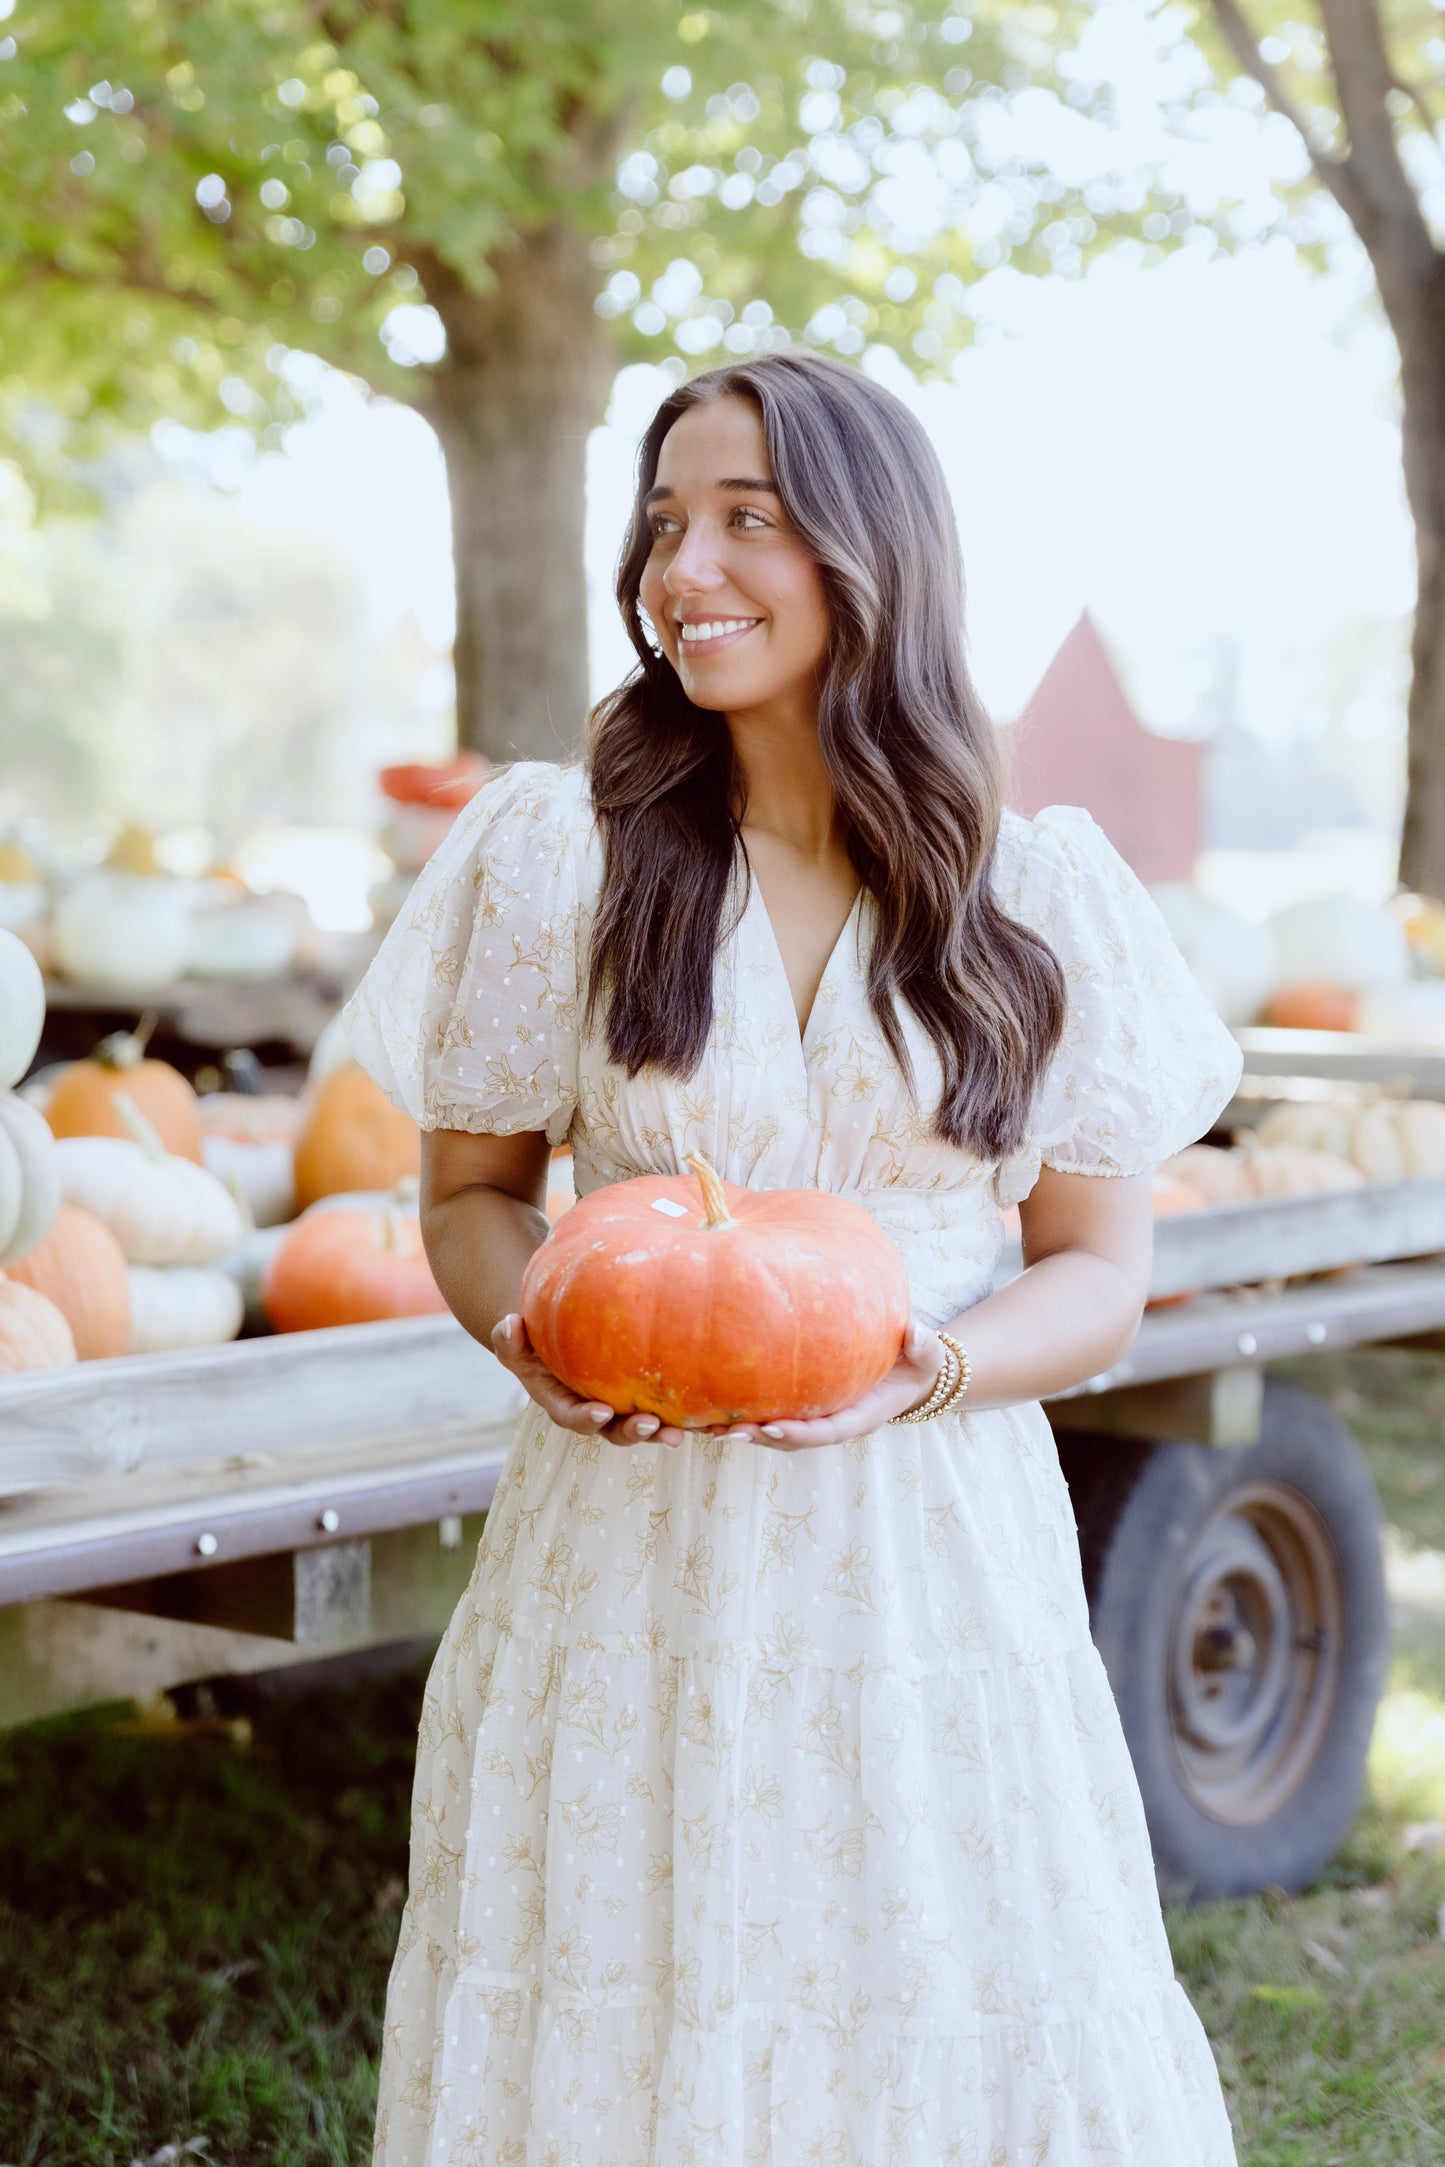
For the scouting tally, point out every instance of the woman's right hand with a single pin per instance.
(587, 1418)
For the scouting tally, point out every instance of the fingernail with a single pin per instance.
(743, 1437)
(600, 1414)
(646, 1425)
(770, 1429)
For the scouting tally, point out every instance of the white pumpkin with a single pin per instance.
(22, 1009)
(1335, 941)
(180, 1305)
(1408, 1015)
(332, 1049)
(243, 940)
(262, 1174)
(29, 1179)
(162, 1210)
(1387, 1139)
(1235, 961)
(123, 931)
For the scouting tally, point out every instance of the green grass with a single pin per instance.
(196, 1921)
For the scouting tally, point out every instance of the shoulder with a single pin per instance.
(531, 790)
(1059, 859)
(533, 812)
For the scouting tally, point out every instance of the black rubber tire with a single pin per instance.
(1142, 1512)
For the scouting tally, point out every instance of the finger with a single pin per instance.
(586, 1418)
(636, 1429)
(792, 1436)
(507, 1340)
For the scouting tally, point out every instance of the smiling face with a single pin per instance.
(736, 598)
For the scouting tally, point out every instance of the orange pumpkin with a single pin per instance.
(80, 1266)
(33, 1334)
(449, 784)
(1311, 1008)
(83, 1100)
(1171, 1195)
(351, 1263)
(352, 1137)
(703, 1302)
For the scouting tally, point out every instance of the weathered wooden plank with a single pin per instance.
(1222, 1330)
(1220, 1408)
(314, 1597)
(59, 1655)
(204, 1517)
(277, 1395)
(1343, 1057)
(1286, 1237)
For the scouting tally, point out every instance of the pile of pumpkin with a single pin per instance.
(1309, 1147)
(128, 927)
(1330, 964)
(136, 1216)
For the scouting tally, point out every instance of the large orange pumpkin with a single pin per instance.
(83, 1100)
(352, 1263)
(80, 1266)
(352, 1138)
(703, 1302)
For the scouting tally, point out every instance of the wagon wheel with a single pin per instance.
(1237, 1597)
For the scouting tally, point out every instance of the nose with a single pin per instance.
(693, 568)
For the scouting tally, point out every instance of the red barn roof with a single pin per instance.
(1079, 742)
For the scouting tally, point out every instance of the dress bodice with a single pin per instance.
(471, 1017)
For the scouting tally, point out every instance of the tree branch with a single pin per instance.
(1391, 220)
(1239, 35)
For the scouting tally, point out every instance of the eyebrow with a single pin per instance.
(749, 486)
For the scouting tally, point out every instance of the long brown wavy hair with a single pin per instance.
(913, 758)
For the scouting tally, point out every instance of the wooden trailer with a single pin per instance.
(168, 1518)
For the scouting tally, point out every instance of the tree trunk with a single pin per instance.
(523, 380)
(1421, 333)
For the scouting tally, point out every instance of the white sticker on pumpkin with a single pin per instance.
(665, 1203)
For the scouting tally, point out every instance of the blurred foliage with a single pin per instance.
(190, 190)
(171, 662)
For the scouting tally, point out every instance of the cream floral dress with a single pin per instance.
(772, 1809)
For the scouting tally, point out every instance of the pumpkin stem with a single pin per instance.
(715, 1204)
(397, 1234)
(138, 1125)
(126, 1049)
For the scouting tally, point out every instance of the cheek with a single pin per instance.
(652, 594)
(807, 609)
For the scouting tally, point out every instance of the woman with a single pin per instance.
(771, 1806)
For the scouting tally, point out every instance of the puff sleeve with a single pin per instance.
(468, 1014)
(1144, 1064)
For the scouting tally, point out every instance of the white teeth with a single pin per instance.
(717, 628)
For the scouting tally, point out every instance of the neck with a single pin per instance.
(789, 789)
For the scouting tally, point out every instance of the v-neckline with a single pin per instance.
(756, 901)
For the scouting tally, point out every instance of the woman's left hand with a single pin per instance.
(906, 1385)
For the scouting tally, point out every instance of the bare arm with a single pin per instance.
(482, 1215)
(1088, 1242)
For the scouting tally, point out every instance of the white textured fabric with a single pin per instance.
(772, 1809)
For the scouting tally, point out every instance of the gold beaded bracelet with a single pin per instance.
(965, 1373)
(944, 1387)
(952, 1382)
